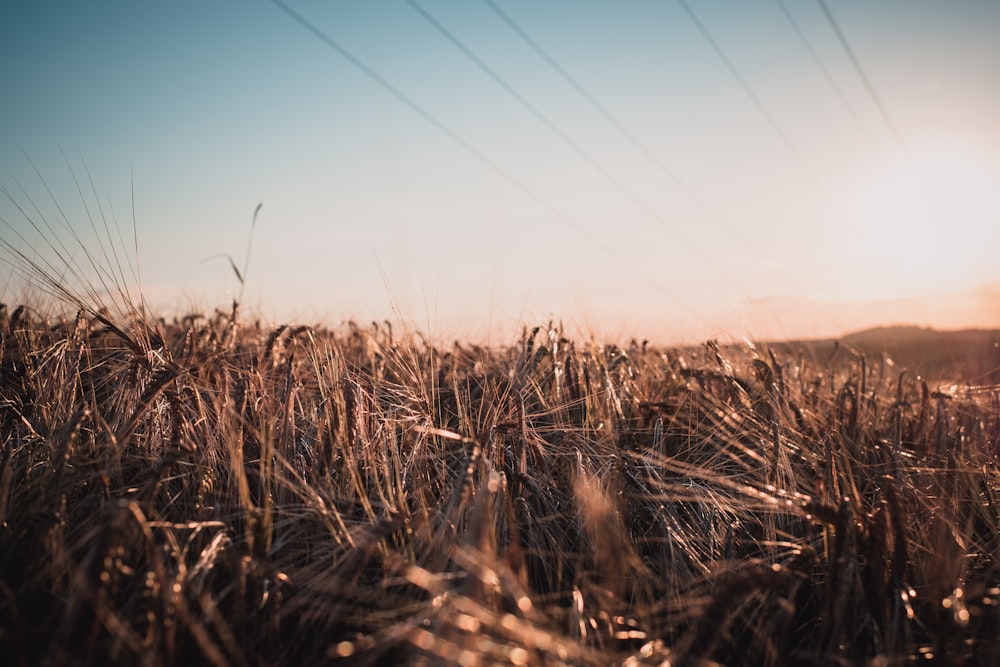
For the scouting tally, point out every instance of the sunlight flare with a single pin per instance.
(928, 221)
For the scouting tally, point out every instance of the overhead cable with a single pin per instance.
(864, 77)
(573, 145)
(495, 167)
(807, 43)
(618, 125)
(745, 85)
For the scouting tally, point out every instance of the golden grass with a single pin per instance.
(208, 491)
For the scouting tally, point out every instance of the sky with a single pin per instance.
(666, 170)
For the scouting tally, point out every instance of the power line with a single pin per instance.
(573, 145)
(414, 106)
(825, 71)
(617, 124)
(864, 77)
(757, 102)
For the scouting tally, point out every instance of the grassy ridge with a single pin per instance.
(208, 491)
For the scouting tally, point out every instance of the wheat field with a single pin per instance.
(212, 491)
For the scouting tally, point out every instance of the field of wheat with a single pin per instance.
(212, 491)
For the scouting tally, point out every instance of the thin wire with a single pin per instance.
(574, 146)
(618, 125)
(479, 155)
(757, 103)
(639, 145)
(826, 72)
(922, 193)
(864, 77)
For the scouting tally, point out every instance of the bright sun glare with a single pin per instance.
(929, 222)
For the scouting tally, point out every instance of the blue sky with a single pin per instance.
(784, 207)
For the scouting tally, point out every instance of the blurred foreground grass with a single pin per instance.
(209, 491)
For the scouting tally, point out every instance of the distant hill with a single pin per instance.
(969, 355)
(894, 335)
(972, 355)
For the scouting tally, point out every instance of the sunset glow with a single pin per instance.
(930, 221)
(672, 171)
